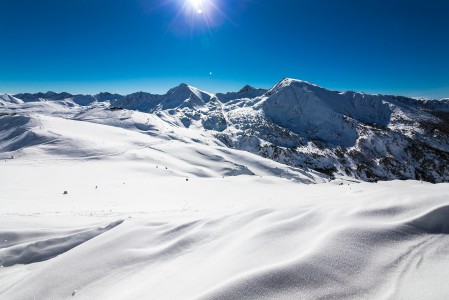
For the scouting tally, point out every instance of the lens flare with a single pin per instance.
(197, 6)
(197, 17)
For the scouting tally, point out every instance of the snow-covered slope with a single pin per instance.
(47, 137)
(5, 98)
(127, 230)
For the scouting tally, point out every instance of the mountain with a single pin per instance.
(182, 96)
(295, 123)
(429, 104)
(5, 98)
(246, 92)
(101, 97)
(184, 105)
(368, 137)
(28, 97)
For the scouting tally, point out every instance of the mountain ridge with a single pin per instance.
(50, 95)
(363, 136)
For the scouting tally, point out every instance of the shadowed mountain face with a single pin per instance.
(247, 92)
(323, 115)
(367, 137)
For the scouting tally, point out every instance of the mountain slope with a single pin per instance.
(47, 138)
(5, 98)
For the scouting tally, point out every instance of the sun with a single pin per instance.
(199, 15)
(197, 5)
(196, 2)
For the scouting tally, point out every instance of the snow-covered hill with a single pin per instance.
(295, 123)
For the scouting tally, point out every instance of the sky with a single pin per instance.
(87, 46)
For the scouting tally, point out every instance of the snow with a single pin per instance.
(247, 92)
(143, 234)
(155, 209)
(5, 98)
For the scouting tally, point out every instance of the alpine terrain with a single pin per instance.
(296, 192)
(295, 123)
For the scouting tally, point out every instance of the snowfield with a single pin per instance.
(100, 202)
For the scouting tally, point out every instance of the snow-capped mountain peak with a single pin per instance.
(184, 95)
(246, 92)
(291, 83)
(9, 99)
(246, 88)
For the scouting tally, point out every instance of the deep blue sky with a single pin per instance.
(87, 46)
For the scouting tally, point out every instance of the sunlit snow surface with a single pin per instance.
(176, 215)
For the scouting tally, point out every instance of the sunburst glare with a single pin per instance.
(197, 5)
(200, 16)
